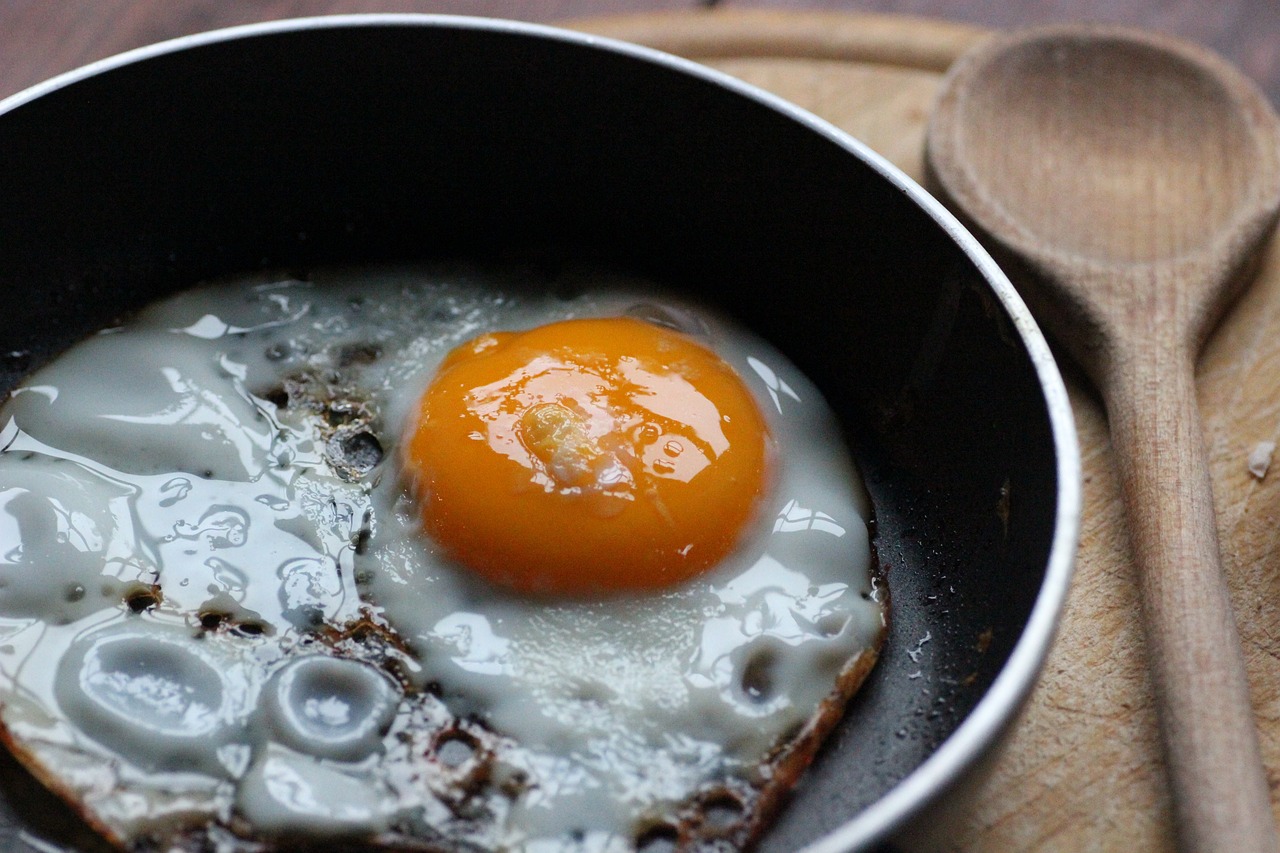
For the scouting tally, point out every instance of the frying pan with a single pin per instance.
(376, 138)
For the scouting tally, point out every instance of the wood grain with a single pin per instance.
(1163, 166)
(1084, 769)
(39, 38)
(1247, 32)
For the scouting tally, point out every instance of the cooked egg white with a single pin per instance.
(203, 519)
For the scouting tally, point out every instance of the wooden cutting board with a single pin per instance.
(1083, 769)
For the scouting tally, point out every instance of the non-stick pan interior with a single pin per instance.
(296, 147)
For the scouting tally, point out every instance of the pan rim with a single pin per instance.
(1001, 703)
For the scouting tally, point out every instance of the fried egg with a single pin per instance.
(427, 556)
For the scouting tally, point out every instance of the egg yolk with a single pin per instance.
(587, 456)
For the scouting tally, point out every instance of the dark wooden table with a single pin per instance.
(40, 38)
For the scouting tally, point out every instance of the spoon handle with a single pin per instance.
(1220, 792)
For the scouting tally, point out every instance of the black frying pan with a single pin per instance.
(391, 138)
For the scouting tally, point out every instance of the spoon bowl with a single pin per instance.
(1128, 181)
(1144, 109)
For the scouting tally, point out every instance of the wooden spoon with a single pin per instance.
(1128, 181)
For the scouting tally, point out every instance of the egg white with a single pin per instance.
(179, 551)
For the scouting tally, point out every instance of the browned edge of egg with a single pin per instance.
(51, 783)
(794, 757)
(689, 827)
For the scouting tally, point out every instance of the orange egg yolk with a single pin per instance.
(587, 457)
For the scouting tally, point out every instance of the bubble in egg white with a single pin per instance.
(152, 695)
(241, 472)
(330, 707)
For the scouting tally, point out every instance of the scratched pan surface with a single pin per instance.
(399, 138)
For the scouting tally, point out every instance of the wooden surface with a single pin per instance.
(1163, 166)
(39, 38)
(1083, 770)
